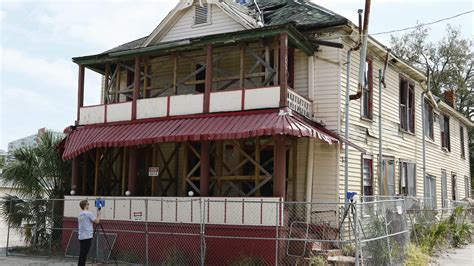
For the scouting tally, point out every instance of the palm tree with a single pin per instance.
(39, 175)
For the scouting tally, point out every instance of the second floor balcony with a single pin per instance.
(258, 73)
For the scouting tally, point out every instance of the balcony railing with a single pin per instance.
(186, 104)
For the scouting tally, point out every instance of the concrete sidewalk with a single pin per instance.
(458, 257)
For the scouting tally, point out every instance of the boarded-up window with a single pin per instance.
(445, 136)
(201, 14)
(430, 192)
(428, 123)
(454, 187)
(367, 92)
(467, 187)
(407, 106)
(461, 137)
(407, 179)
(444, 189)
(388, 178)
(367, 177)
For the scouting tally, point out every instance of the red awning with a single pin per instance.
(194, 128)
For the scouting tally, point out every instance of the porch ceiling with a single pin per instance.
(221, 126)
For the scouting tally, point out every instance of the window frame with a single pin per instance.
(407, 109)
(367, 111)
(404, 176)
(445, 132)
(429, 118)
(429, 184)
(385, 178)
(454, 187)
(444, 188)
(467, 187)
(371, 174)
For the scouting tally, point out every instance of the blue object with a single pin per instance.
(99, 203)
(349, 195)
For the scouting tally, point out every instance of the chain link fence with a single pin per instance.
(219, 231)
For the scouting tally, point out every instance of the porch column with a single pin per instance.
(279, 167)
(204, 179)
(132, 170)
(80, 90)
(75, 173)
(283, 69)
(208, 81)
(136, 86)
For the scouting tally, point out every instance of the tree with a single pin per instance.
(450, 62)
(39, 175)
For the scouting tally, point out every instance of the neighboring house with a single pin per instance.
(30, 141)
(3, 159)
(224, 101)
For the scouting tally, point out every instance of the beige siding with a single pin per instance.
(325, 172)
(185, 28)
(402, 146)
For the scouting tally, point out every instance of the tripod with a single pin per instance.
(96, 233)
(350, 208)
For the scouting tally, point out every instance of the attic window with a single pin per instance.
(201, 14)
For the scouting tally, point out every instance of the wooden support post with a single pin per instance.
(205, 169)
(185, 168)
(85, 173)
(208, 81)
(75, 173)
(219, 159)
(80, 90)
(145, 79)
(136, 87)
(279, 172)
(132, 170)
(117, 85)
(242, 73)
(175, 73)
(96, 172)
(283, 69)
(276, 53)
(124, 170)
(267, 60)
(257, 169)
(106, 83)
(154, 163)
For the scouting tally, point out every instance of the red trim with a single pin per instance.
(80, 90)
(283, 69)
(243, 211)
(136, 86)
(208, 80)
(105, 113)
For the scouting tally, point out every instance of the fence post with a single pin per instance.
(277, 220)
(146, 232)
(201, 233)
(386, 232)
(356, 235)
(52, 228)
(8, 231)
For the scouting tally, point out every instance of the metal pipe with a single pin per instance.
(309, 178)
(363, 51)
(380, 132)
(423, 115)
(346, 126)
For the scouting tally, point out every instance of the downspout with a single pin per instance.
(309, 179)
(363, 51)
(423, 115)
(381, 82)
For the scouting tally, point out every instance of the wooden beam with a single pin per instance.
(154, 178)
(218, 164)
(124, 170)
(117, 85)
(257, 160)
(132, 170)
(145, 80)
(208, 83)
(204, 180)
(279, 172)
(96, 172)
(175, 73)
(85, 173)
(184, 172)
(136, 87)
(75, 173)
(283, 69)
(80, 90)
(106, 82)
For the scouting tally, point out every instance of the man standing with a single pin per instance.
(86, 230)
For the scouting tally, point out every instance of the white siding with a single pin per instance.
(185, 28)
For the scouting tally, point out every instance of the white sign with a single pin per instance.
(137, 216)
(153, 171)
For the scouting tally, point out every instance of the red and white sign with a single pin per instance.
(153, 171)
(137, 216)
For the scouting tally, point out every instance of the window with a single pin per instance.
(430, 192)
(454, 187)
(407, 106)
(407, 179)
(445, 138)
(367, 92)
(467, 187)
(428, 123)
(461, 136)
(367, 177)
(388, 177)
(444, 189)
(201, 14)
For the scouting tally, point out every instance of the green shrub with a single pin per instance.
(318, 261)
(245, 260)
(415, 256)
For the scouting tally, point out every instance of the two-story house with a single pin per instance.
(247, 102)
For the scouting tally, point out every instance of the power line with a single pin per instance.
(424, 24)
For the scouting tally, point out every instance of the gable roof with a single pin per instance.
(302, 13)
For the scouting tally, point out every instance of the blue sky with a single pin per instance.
(38, 81)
